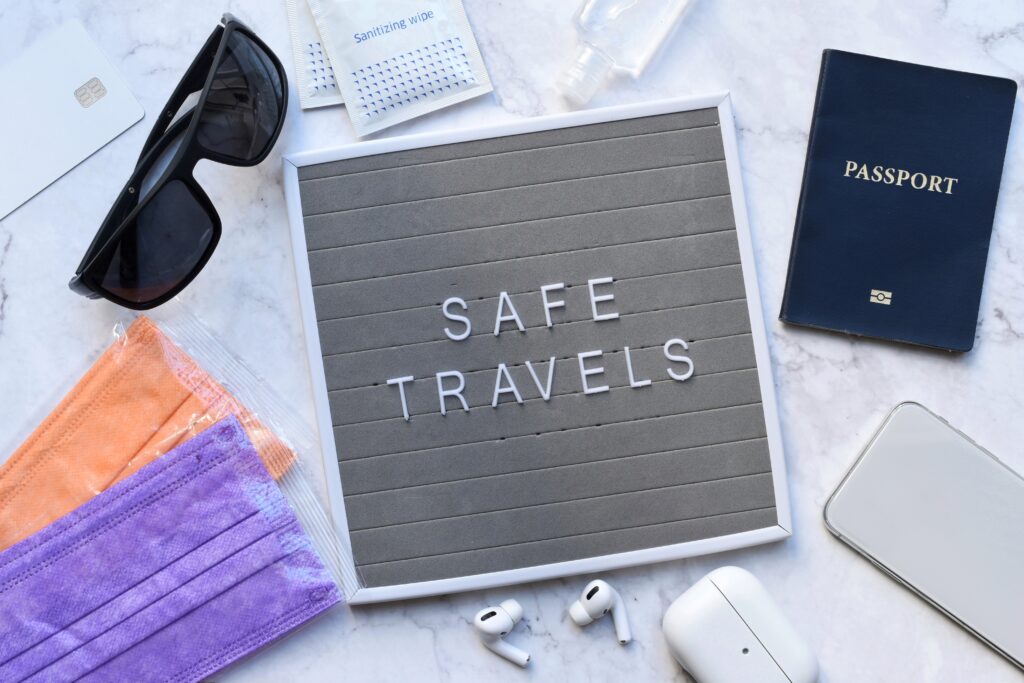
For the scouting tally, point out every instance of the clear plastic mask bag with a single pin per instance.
(395, 60)
(163, 381)
(175, 492)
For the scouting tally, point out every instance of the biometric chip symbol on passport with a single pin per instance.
(880, 296)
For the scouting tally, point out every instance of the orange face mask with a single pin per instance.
(142, 398)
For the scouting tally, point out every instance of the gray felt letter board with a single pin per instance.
(609, 241)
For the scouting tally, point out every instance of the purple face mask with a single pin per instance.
(188, 565)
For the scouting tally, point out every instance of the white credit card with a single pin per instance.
(63, 101)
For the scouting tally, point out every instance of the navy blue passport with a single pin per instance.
(899, 193)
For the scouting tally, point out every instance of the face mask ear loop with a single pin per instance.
(256, 638)
(276, 455)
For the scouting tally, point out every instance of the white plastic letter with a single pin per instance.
(499, 389)
(545, 392)
(596, 299)
(400, 381)
(629, 370)
(457, 318)
(585, 372)
(443, 393)
(504, 300)
(548, 304)
(679, 359)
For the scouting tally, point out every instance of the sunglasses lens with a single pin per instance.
(163, 246)
(245, 103)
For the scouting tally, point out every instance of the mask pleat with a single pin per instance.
(145, 621)
(83, 628)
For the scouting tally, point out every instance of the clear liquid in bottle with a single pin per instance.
(617, 36)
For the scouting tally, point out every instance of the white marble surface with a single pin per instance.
(832, 391)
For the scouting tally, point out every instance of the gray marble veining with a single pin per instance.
(832, 391)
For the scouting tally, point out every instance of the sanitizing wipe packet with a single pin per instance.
(190, 564)
(314, 74)
(398, 59)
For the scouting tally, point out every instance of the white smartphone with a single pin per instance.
(942, 516)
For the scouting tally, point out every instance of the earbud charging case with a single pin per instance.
(727, 629)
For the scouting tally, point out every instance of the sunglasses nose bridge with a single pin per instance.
(152, 169)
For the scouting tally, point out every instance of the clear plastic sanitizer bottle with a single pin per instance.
(617, 35)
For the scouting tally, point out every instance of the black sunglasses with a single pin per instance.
(159, 235)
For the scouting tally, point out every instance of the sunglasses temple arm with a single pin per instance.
(193, 81)
(126, 201)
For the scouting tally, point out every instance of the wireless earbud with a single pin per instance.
(494, 623)
(599, 599)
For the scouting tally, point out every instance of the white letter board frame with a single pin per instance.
(358, 594)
